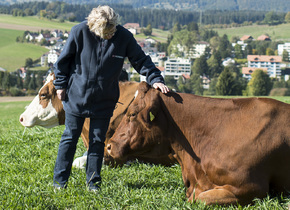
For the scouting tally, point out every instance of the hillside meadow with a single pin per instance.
(27, 161)
(276, 33)
(13, 54)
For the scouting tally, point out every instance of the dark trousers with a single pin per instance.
(67, 148)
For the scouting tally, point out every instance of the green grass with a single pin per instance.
(13, 54)
(157, 34)
(276, 33)
(27, 159)
(36, 21)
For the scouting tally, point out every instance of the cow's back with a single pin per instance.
(243, 143)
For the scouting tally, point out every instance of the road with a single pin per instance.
(17, 98)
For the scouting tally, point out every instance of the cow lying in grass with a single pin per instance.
(46, 110)
(230, 150)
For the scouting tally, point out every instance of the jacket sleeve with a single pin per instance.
(143, 63)
(64, 63)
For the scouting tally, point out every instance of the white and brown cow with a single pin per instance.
(46, 110)
(230, 150)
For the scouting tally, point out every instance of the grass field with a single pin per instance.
(34, 21)
(276, 33)
(13, 54)
(27, 161)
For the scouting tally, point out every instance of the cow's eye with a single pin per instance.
(133, 114)
(42, 96)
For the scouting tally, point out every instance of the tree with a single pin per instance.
(185, 39)
(260, 84)
(287, 17)
(225, 47)
(192, 26)
(196, 84)
(176, 28)
(215, 66)
(226, 84)
(270, 51)
(19, 82)
(200, 66)
(212, 86)
(272, 18)
(148, 30)
(214, 42)
(285, 56)
(28, 62)
(184, 86)
(238, 51)
(28, 12)
(6, 81)
(32, 83)
(235, 39)
(170, 82)
(27, 80)
(248, 50)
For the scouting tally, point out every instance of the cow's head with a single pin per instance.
(142, 131)
(46, 109)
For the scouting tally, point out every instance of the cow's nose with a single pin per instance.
(21, 119)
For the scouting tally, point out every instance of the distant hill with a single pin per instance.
(257, 5)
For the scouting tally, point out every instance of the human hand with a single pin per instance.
(161, 86)
(60, 94)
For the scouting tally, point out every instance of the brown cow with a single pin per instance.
(230, 150)
(46, 110)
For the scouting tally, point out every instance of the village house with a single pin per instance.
(269, 63)
(176, 67)
(263, 38)
(247, 71)
(246, 38)
(30, 36)
(282, 47)
(52, 56)
(56, 33)
(134, 28)
(197, 50)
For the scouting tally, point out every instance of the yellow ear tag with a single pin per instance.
(151, 116)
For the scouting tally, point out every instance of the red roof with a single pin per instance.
(246, 37)
(131, 25)
(263, 37)
(250, 70)
(264, 58)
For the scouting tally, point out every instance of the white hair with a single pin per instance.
(102, 19)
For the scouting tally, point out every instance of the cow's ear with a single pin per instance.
(143, 89)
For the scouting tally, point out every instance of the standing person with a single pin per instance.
(87, 73)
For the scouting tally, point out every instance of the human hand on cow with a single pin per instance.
(60, 94)
(161, 86)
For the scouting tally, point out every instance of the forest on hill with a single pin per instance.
(157, 18)
(189, 5)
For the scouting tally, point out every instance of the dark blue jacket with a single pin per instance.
(89, 68)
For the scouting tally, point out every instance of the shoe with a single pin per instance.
(93, 188)
(58, 187)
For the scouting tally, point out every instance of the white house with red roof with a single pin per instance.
(270, 63)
